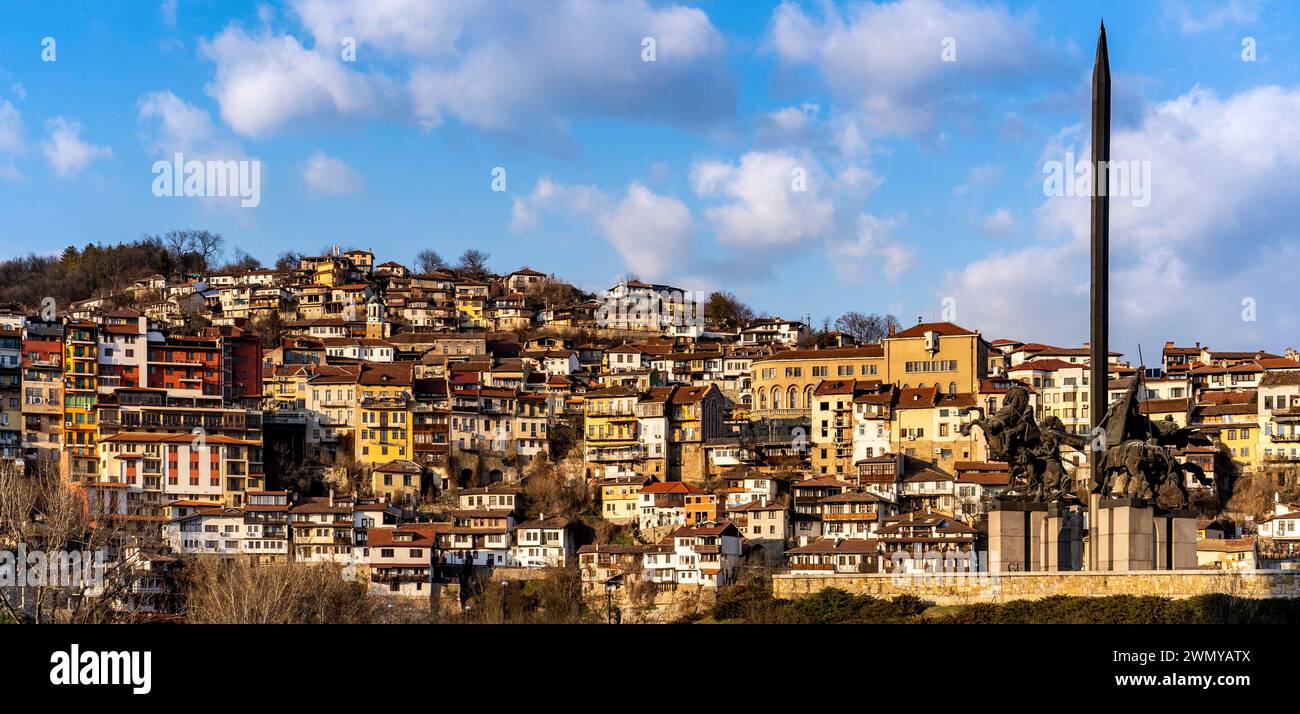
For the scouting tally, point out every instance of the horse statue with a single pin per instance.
(1032, 454)
(1138, 457)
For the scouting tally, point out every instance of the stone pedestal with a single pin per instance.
(1012, 526)
(1060, 540)
(1035, 537)
(1175, 539)
(1122, 535)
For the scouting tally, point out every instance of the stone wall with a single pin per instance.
(984, 587)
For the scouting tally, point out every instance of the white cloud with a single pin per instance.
(526, 69)
(772, 199)
(885, 59)
(651, 232)
(326, 174)
(998, 223)
(64, 149)
(870, 247)
(417, 27)
(1219, 228)
(265, 81)
(978, 177)
(177, 125)
(11, 140)
(1218, 14)
(11, 129)
(168, 11)
(534, 62)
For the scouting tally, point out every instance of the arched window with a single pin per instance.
(793, 395)
(808, 397)
(776, 397)
(952, 387)
(762, 399)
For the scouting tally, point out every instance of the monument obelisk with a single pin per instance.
(1100, 319)
(1099, 348)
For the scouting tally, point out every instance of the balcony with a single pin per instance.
(617, 453)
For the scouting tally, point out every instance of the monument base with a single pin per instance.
(1034, 537)
(1175, 539)
(1123, 535)
(1061, 541)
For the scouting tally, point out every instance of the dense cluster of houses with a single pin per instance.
(201, 404)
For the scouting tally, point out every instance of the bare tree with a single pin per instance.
(428, 261)
(473, 263)
(866, 329)
(288, 260)
(218, 591)
(43, 514)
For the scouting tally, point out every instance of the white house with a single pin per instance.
(705, 555)
(543, 543)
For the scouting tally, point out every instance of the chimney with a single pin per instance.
(891, 329)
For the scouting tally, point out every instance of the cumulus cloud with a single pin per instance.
(769, 204)
(1221, 216)
(770, 199)
(524, 69)
(390, 27)
(176, 125)
(885, 59)
(325, 174)
(651, 232)
(551, 62)
(265, 81)
(869, 246)
(65, 150)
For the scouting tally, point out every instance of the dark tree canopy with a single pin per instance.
(726, 309)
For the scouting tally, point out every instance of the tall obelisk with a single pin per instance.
(1100, 318)
(1100, 350)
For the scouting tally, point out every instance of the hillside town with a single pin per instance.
(423, 429)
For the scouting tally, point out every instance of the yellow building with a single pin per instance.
(80, 384)
(610, 430)
(927, 354)
(927, 426)
(397, 481)
(383, 421)
(619, 496)
(939, 354)
(1236, 425)
(784, 382)
(833, 425)
(471, 304)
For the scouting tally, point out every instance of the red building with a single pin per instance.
(187, 363)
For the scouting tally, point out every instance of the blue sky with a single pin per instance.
(922, 180)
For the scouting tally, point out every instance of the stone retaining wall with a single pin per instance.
(984, 587)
